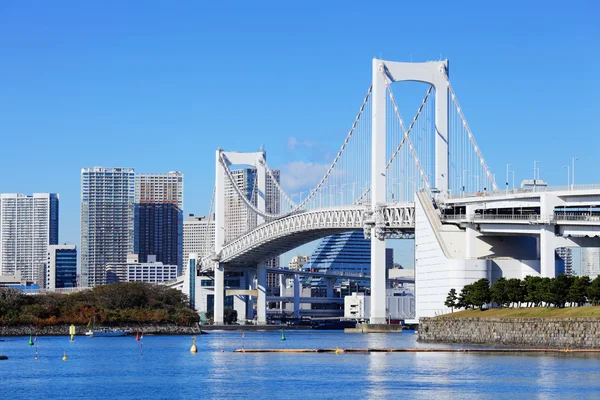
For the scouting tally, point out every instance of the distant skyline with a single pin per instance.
(160, 87)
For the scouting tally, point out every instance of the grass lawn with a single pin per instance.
(537, 312)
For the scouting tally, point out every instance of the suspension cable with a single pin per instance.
(471, 137)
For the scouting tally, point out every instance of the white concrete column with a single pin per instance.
(281, 293)
(296, 296)
(547, 250)
(240, 301)
(251, 299)
(441, 130)
(261, 305)
(470, 237)
(219, 294)
(378, 190)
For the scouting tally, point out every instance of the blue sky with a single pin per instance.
(158, 86)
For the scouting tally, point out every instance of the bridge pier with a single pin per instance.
(251, 278)
(219, 294)
(261, 306)
(547, 252)
(296, 296)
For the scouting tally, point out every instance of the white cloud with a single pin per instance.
(299, 176)
(294, 143)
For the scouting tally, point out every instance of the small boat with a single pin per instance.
(107, 332)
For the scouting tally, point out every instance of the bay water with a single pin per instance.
(162, 367)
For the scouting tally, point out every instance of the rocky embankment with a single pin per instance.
(63, 330)
(572, 333)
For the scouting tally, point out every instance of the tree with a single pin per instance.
(578, 290)
(533, 290)
(515, 291)
(593, 291)
(498, 292)
(464, 299)
(481, 293)
(451, 299)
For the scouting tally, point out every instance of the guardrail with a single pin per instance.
(538, 189)
(533, 217)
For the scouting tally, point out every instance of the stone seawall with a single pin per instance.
(63, 330)
(575, 333)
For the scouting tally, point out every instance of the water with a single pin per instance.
(101, 368)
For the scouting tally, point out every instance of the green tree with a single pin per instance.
(578, 290)
(451, 299)
(464, 299)
(558, 290)
(498, 292)
(533, 290)
(593, 291)
(515, 291)
(481, 294)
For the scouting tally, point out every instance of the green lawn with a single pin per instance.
(538, 312)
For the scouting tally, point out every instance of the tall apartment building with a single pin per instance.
(238, 219)
(61, 266)
(198, 236)
(107, 220)
(566, 254)
(28, 224)
(159, 217)
(590, 262)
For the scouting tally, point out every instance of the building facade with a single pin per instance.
(566, 254)
(198, 236)
(159, 217)
(28, 225)
(61, 266)
(590, 262)
(107, 220)
(151, 271)
(347, 253)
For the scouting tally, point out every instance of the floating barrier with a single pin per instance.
(416, 350)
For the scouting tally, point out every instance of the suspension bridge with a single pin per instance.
(423, 178)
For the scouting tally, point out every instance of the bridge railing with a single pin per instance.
(481, 217)
(538, 189)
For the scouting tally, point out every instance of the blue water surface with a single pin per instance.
(162, 367)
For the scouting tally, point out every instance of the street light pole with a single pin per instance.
(534, 173)
(573, 172)
(464, 179)
(507, 165)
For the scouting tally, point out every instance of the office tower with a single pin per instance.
(61, 266)
(239, 219)
(159, 217)
(198, 237)
(28, 224)
(590, 262)
(107, 220)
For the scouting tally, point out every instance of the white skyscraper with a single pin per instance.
(107, 220)
(590, 262)
(198, 237)
(28, 224)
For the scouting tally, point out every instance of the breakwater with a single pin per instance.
(63, 330)
(560, 333)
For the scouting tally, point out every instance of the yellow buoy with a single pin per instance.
(337, 351)
(194, 349)
(65, 357)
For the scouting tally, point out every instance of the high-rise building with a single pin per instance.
(61, 266)
(159, 217)
(28, 224)
(238, 219)
(590, 262)
(198, 236)
(107, 220)
(566, 254)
